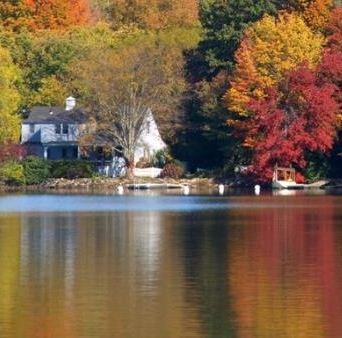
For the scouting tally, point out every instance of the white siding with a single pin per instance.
(149, 141)
(45, 133)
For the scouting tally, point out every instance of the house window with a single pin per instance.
(65, 128)
(58, 129)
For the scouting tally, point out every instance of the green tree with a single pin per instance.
(43, 60)
(224, 23)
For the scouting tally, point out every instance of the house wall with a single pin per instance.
(42, 140)
(149, 141)
(45, 133)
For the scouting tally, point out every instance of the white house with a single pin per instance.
(149, 141)
(54, 132)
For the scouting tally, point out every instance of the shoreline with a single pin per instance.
(108, 185)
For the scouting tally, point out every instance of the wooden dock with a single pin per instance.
(147, 186)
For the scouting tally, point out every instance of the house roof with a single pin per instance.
(47, 115)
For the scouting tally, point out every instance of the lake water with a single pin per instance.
(152, 266)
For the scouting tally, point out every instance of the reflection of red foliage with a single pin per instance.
(284, 271)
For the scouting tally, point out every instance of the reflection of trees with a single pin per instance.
(204, 240)
(284, 272)
(9, 272)
(103, 275)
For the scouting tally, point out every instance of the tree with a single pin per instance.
(9, 100)
(52, 92)
(271, 47)
(300, 115)
(316, 13)
(334, 28)
(224, 23)
(124, 85)
(152, 14)
(207, 138)
(43, 60)
(208, 67)
(18, 15)
(14, 14)
(58, 14)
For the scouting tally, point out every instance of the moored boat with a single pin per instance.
(285, 178)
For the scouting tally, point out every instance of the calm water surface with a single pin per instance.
(155, 266)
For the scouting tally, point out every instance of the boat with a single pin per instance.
(285, 178)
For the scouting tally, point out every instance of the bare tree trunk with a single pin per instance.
(130, 171)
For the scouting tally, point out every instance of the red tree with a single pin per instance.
(299, 116)
(334, 27)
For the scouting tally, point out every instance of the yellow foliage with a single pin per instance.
(12, 172)
(271, 47)
(9, 100)
(283, 43)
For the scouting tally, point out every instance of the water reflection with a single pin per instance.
(286, 277)
(263, 266)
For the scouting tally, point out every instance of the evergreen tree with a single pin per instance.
(223, 24)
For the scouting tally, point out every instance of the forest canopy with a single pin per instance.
(228, 73)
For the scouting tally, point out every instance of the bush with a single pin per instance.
(12, 173)
(36, 170)
(72, 169)
(174, 169)
(161, 158)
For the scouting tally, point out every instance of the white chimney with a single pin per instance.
(70, 103)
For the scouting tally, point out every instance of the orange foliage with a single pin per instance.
(245, 83)
(154, 14)
(58, 14)
(316, 13)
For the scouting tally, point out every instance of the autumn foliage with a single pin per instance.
(271, 47)
(285, 93)
(44, 14)
(300, 116)
(316, 13)
(153, 14)
(58, 14)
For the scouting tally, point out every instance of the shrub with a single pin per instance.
(36, 170)
(12, 173)
(174, 169)
(72, 169)
(161, 158)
